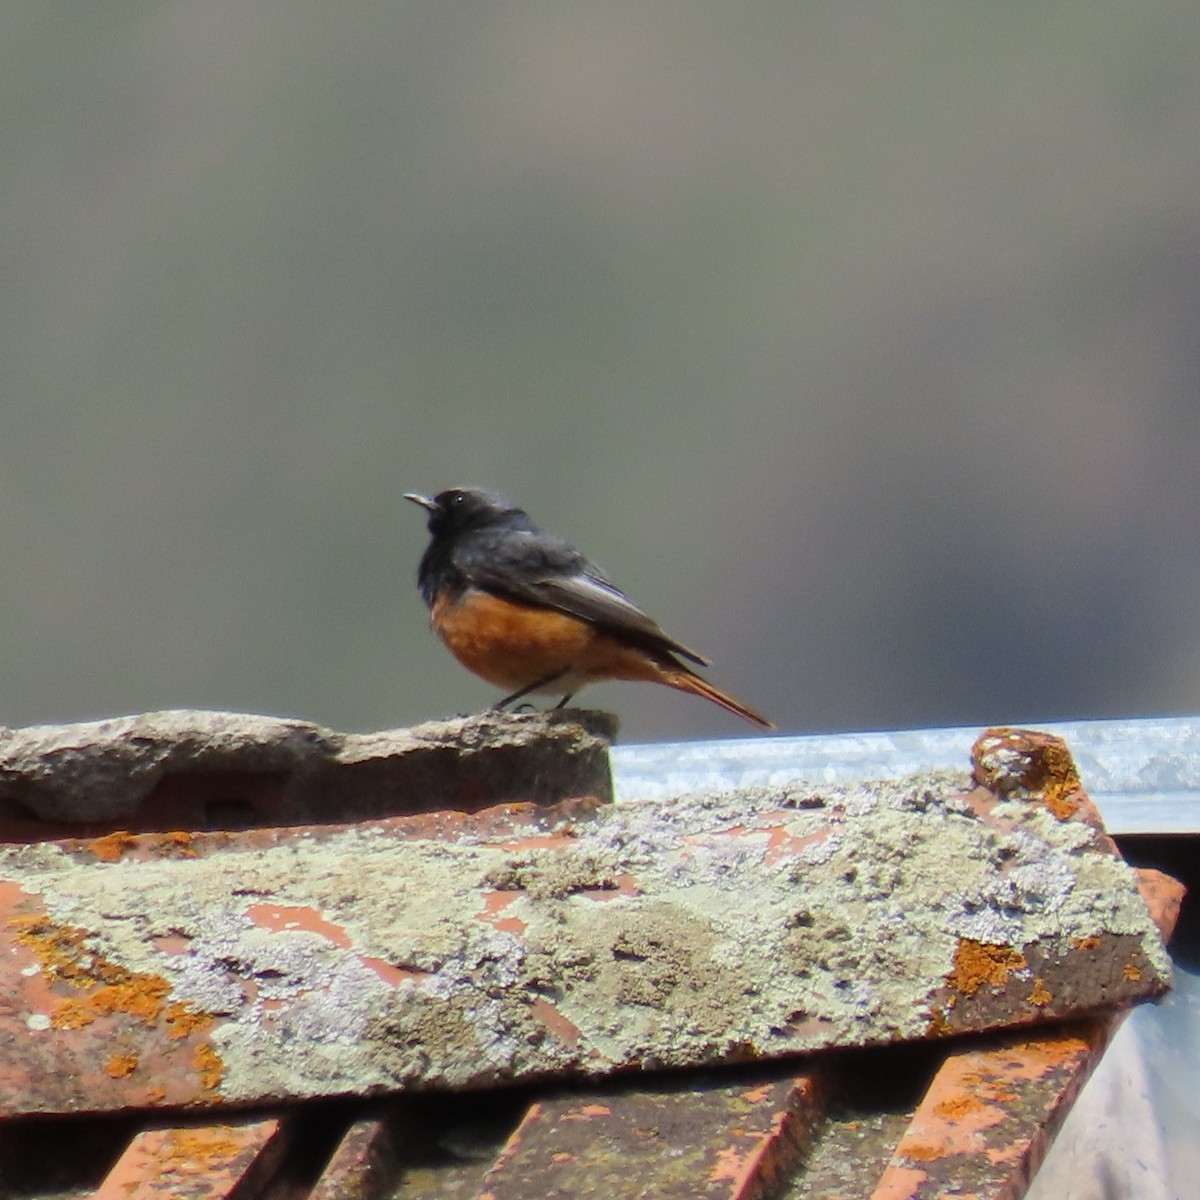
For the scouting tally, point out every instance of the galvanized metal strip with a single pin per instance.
(1143, 775)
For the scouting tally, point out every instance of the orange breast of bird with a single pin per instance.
(510, 645)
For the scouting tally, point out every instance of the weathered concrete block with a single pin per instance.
(199, 770)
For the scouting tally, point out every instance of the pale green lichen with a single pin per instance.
(757, 922)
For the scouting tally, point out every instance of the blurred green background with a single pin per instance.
(859, 343)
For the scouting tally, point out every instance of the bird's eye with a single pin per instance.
(458, 498)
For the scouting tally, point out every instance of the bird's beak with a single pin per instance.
(423, 501)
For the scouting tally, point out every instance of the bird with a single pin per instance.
(529, 613)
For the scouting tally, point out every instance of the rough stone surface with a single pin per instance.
(104, 771)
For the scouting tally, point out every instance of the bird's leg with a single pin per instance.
(531, 687)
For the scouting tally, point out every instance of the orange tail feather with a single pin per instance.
(685, 681)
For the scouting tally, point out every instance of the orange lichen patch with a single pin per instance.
(120, 1065)
(111, 846)
(139, 996)
(141, 847)
(184, 1154)
(175, 843)
(71, 1014)
(181, 1019)
(105, 988)
(955, 1123)
(208, 1063)
(1040, 995)
(1062, 800)
(920, 1152)
(62, 952)
(955, 1108)
(1036, 1058)
(1057, 765)
(189, 1161)
(156, 1094)
(1085, 943)
(979, 963)
(1131, 973)
(939, 1024)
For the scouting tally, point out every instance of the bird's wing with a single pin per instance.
(553, 574)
